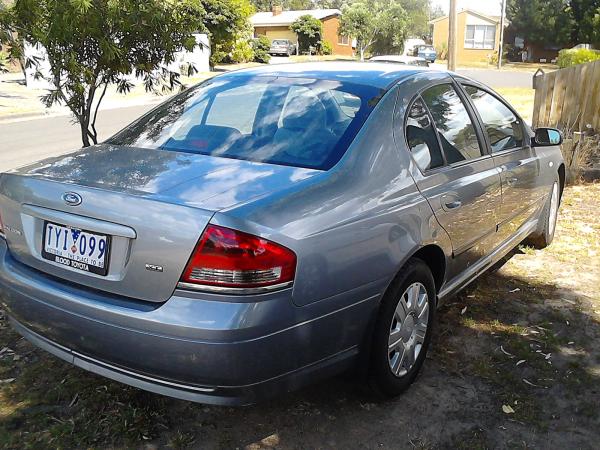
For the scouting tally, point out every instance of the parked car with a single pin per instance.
(427, 52)
(282, 47)
(273, 226)
(401, 59)
(410, 45)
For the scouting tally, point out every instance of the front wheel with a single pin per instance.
(544, 235)
(403, 329)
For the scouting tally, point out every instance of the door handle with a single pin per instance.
(453, 205)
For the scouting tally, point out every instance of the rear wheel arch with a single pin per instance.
(433, 256)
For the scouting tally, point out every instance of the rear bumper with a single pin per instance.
(198, 349)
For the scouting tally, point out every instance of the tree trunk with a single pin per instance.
(362, 53)
(85, 138)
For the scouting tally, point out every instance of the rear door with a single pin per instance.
(456, 174)
(513, 154)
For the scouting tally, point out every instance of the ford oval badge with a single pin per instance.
(72, 198)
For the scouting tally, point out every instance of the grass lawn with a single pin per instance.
(522, 99)
(515, 363)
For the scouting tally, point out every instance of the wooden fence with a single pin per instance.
(569, 98)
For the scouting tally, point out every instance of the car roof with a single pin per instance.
(380, 75)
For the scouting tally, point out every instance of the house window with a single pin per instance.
(343, 40)
(480, 36)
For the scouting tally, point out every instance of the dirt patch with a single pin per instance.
(515, 364)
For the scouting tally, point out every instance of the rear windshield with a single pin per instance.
(289, 121)
(279, 42)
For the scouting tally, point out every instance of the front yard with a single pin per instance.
(515, 364)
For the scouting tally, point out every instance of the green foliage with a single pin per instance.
(540, 21)
(326, 48)
(227, 22)
(309, 31)
(586, 15)
(568, 58)
(380, 26)
(242, 52)
(261, 46)
(92, 43)
(442, 51)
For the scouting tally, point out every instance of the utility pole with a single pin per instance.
(452, 36)
(501, 47)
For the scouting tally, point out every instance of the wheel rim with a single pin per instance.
(553, 209)
(408, 329)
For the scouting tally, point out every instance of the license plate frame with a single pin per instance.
(72, 264)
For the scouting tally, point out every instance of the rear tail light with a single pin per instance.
(229, 259)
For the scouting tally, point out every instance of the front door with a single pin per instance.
(458, 178)
(514, 157)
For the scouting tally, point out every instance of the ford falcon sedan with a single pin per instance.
(273, 226)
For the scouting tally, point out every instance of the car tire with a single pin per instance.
(402, 334)
(544, 234)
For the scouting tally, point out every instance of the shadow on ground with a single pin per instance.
(515, 364)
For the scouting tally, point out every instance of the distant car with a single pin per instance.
(401, 59)
(272, 226)
(427, 52)
(411, 44)
(282, 47)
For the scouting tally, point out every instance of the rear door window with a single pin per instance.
(453, 123)
(422, 139)
(503, 127)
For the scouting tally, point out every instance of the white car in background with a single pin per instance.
(401, 59)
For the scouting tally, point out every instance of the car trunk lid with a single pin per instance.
(152, 205)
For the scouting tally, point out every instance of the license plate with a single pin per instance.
(76, 248)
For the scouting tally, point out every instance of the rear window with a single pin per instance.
(279, 42)
(289, 121)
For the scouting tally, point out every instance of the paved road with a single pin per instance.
(499, 78)
(31, 140)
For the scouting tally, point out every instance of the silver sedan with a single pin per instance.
(273, 226)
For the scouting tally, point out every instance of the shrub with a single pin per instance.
(242, 52)
(572, 57)
(327, 48)
(442, 51)
(261, 46)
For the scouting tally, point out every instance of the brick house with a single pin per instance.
(275, 24)
(477, 37)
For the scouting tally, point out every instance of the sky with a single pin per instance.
(490, 7)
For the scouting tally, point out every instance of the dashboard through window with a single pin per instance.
(453, 123)
(504, 129)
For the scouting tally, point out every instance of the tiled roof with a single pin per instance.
(286, 18)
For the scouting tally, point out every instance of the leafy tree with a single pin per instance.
(585, 15)
(94, 43)
(417, 16)
(309, 31)
(228, 24)
(377, 26)
(540, 21)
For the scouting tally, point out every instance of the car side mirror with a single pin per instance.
(545, 137)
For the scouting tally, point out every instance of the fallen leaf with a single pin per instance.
(507, 409)
(506, 353)
(464, 310)
(520, 362)
(7, 380)
(515, 290)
